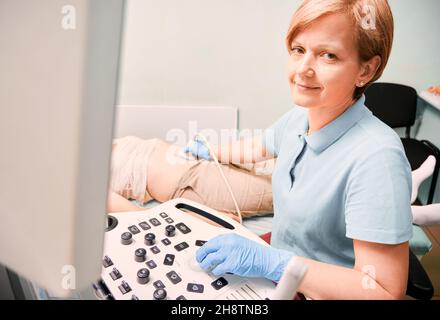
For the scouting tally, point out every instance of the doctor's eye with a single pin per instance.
(296, 50)
(329, 56)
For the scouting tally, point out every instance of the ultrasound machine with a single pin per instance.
(59, 63)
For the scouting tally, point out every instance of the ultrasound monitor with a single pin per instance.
(58, 79)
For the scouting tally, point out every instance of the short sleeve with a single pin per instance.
(378, 202)
(273, 135)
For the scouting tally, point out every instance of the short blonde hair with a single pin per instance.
(369, 41)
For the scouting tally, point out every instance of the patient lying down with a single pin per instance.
(154, 169)
(143, 170)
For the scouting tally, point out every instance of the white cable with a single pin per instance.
(222, 174)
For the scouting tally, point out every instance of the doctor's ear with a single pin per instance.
(368, 70)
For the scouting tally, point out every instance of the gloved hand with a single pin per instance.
(198, 149)
(238, 255)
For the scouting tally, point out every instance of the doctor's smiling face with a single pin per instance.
(337, 48)
(324, 66)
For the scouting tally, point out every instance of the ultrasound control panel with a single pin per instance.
(150, 254)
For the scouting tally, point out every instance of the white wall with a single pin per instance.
(231, 53)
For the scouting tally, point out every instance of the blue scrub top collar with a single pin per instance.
(326, 136)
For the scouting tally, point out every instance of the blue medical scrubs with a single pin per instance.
(349, 180)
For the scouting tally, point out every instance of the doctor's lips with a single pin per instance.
(304, 86)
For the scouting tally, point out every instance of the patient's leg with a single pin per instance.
(204, 184)
(426, 215)
(117, 203)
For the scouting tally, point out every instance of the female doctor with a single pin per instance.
(341, 184)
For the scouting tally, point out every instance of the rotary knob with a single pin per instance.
(160, 294)
(126, 238)
(143, 275)
(149, 239)
(170, 230)
(140, 255)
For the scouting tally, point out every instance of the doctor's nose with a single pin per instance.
(305, 67)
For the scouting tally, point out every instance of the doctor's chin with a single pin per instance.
(229, 153)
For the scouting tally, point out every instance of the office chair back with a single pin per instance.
(395, 104)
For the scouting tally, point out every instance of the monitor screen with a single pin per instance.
(59, 66)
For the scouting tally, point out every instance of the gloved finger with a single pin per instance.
(198, 139)
(212, 260)
(205, 154)
(211, 246)
(222, 268)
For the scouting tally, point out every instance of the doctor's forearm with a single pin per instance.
(326, 281)
(244, 150)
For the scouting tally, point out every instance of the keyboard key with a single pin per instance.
(124, 287)
(200, 243)
(133, 229)
(151, 264)
(169, 220)
(169, 259)
(115, 274)
(155, 250)
(195, 287)
(155, 222)
(158, 284)
(181, 297)
(144, 225)
(181, 246)
(166, 241)
(174, 277)
(183, 228)
(107, 262)
(163, 215)
(219, 283)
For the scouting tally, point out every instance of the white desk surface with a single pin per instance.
(432, 98)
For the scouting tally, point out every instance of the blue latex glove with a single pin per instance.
(232, 253)
(198, 149)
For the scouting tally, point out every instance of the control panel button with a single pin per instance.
(174, 277)
(166, 241)
(107, 262)
(219, 283)
(200, 243)
(144, 225)
(181, 246)
(151, 264)
(160, 294)
(143, 276)
(140, 255)
(124, 287)
(155, 250)
(115, 274)
(155, 222)
(149, 239)
(183, 228)
(169, 259)
(158, 284)
(170, 230)
(134, 297)
(126, 238)
(133, 229)
(181, 297)
(163, 215)
(195, 287)
(169, 220)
